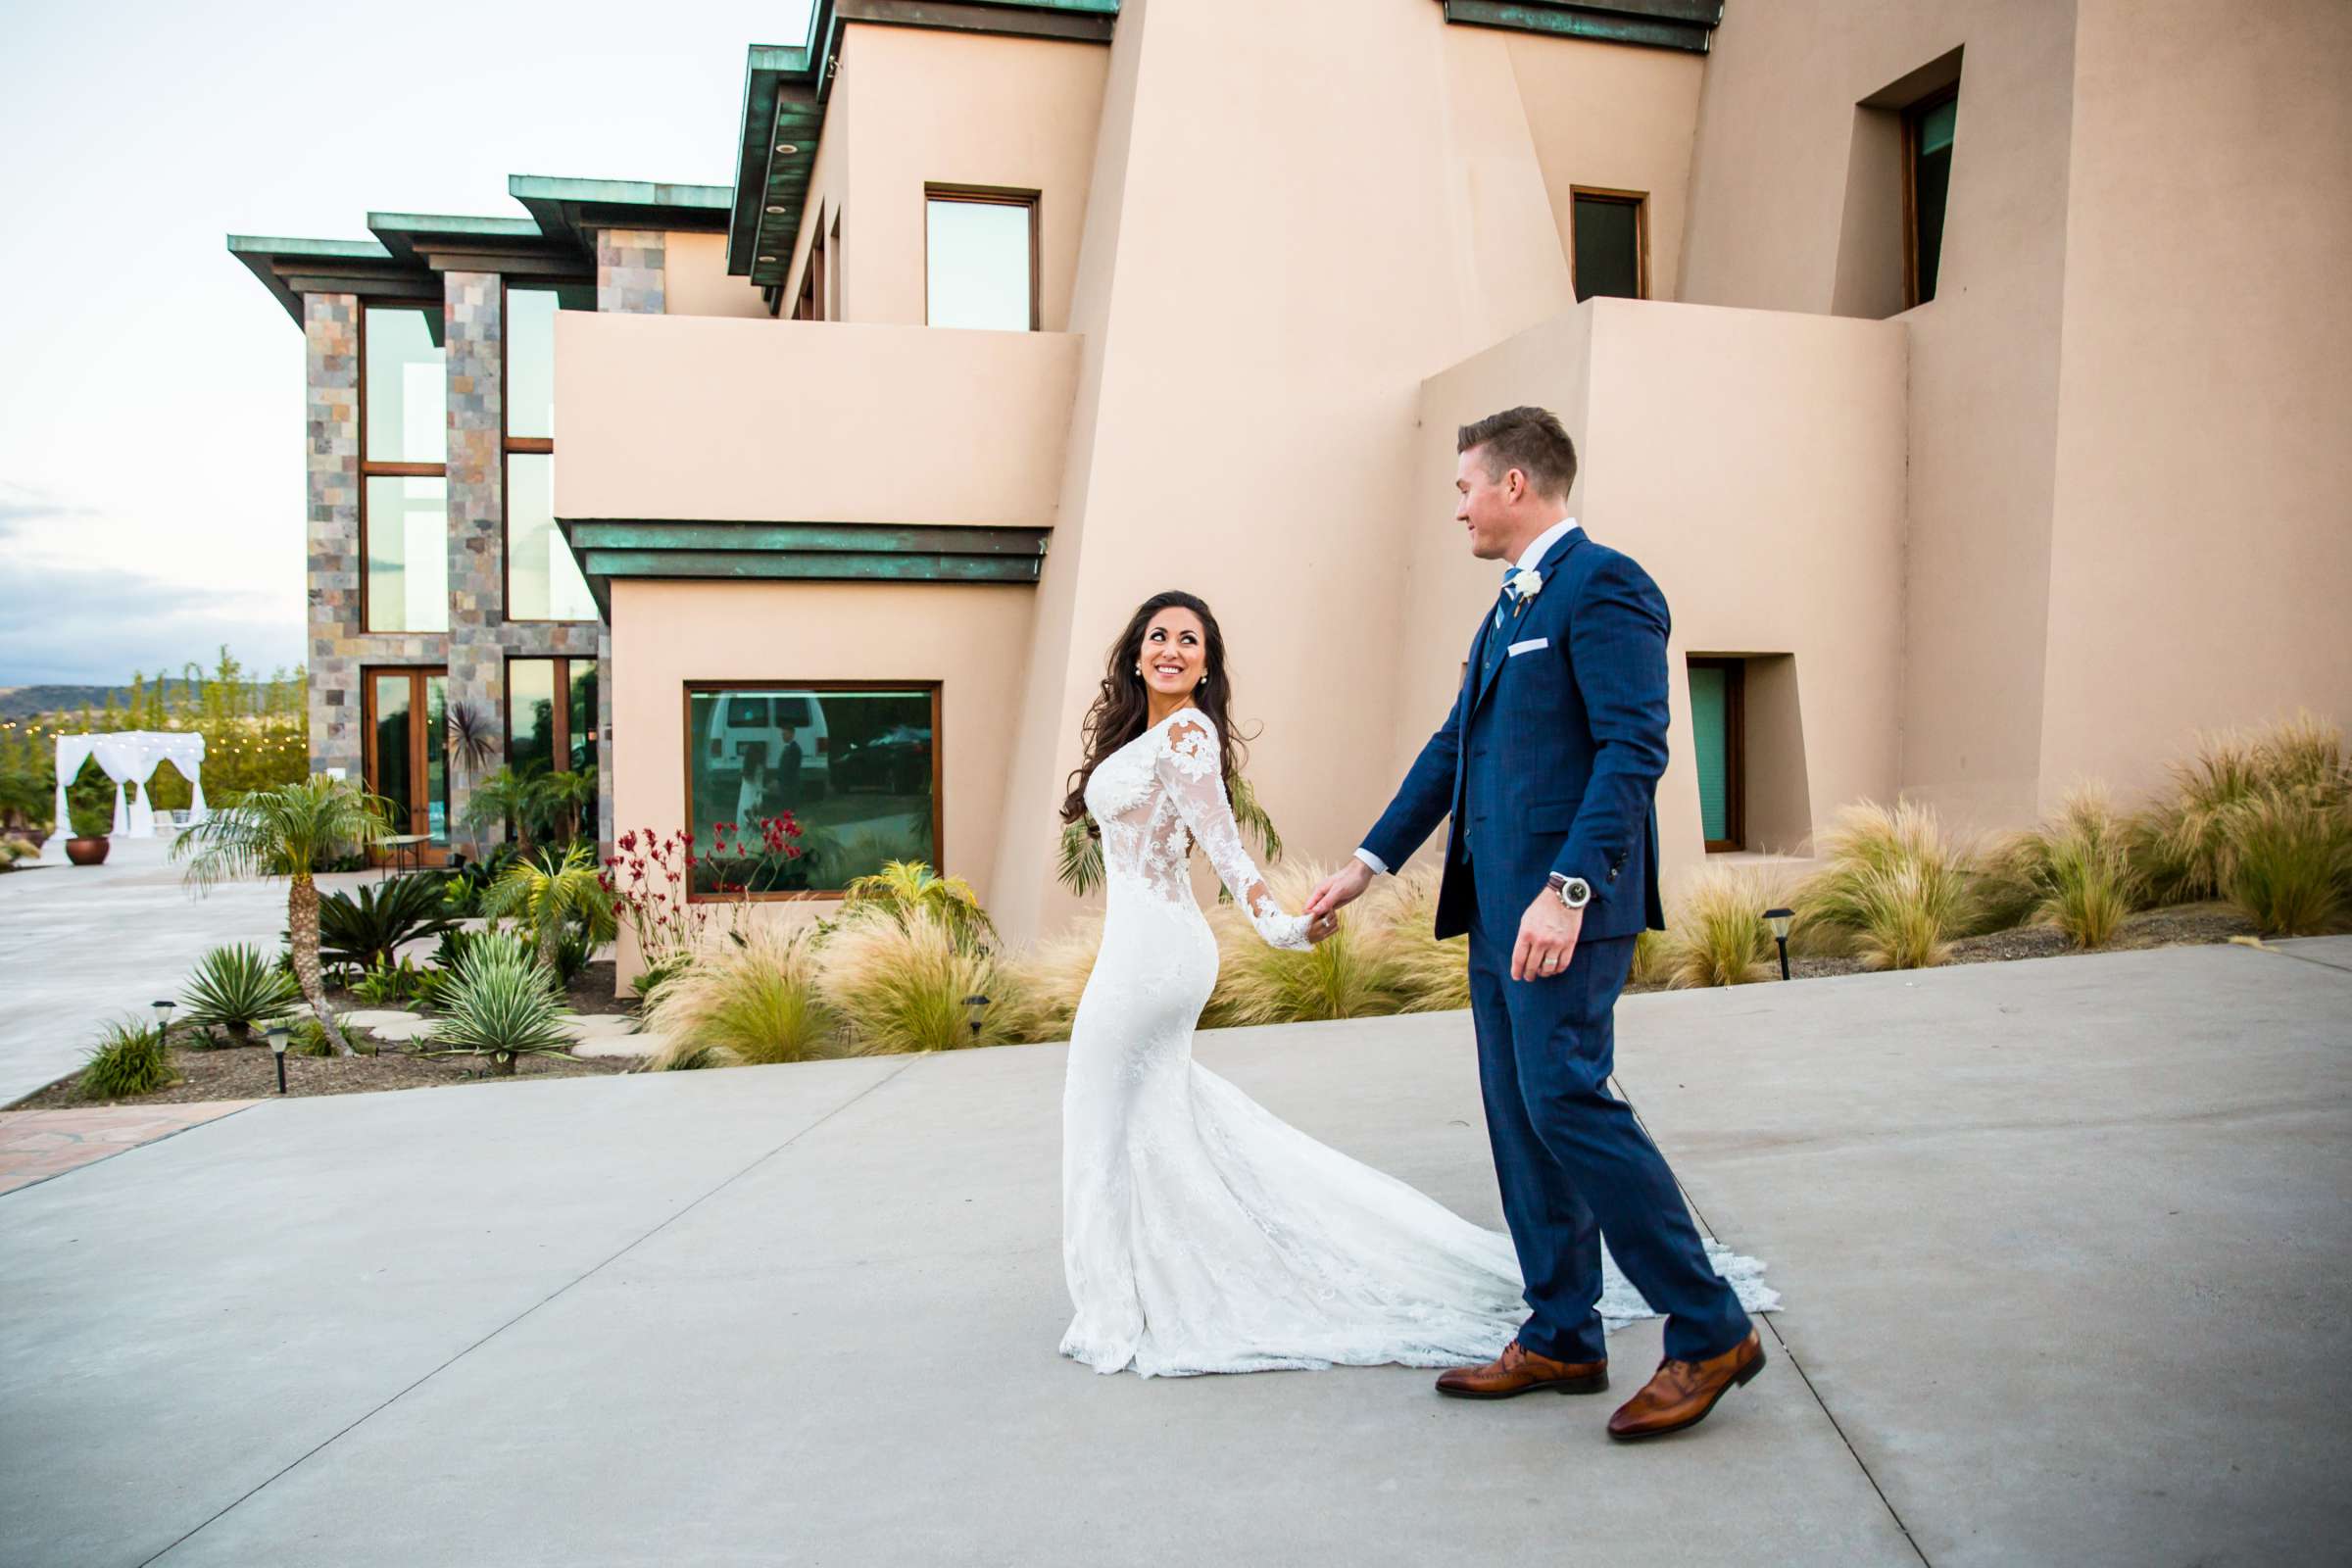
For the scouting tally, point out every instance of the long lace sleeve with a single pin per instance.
(1188, 766)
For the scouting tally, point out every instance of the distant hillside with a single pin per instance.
(26, 702)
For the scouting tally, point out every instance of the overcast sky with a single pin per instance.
(151, 390)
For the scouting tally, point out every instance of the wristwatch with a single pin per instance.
(1573, 890)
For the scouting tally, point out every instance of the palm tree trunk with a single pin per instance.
(301, 918)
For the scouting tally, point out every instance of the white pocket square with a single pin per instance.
(1528, 647)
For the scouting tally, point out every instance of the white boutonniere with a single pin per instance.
(1526, 583)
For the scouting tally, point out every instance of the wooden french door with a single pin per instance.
(406, 753)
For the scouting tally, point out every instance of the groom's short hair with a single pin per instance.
(1529, 439)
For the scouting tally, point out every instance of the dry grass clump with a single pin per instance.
(2290, 854)
(1053, 975)
(1893, 891)
(1400, 924)
(2185, 844)
(2075, 873)
(748, 995)
(899, 987)
(1717, 936)
(1652, 949)
(1348, 975)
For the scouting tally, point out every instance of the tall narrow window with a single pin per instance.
(404, 450)
(1927, 129)
(980, 258)
(543, 581)
(551, 715)
(1718, 744)
(1610, 236)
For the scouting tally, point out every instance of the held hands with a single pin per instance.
(1321, 926)
(1336, 890)
(1547, 934)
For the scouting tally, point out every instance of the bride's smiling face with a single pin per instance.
(1174, 653)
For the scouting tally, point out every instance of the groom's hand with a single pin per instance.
(1547, 934)
(1343, 887)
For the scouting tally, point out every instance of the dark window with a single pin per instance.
(405, 757)
(857, 769)
(1608, 239)
(551, 715)
(1927, 129)
(1718, 744)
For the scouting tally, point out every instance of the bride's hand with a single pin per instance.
(1322, 926)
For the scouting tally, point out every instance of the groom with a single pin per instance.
(1548, 766)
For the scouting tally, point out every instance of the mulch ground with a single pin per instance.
(247, 1072)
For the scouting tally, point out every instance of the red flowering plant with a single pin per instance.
(763, 855)
(648, 879)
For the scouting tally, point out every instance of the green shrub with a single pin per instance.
(362, 928)
(2288, 854)
(387, 985)
(306, 1036)
(500, 1006)
(130, 1059)
(2077, 872)
(1717, 936)
(1351, 974)
(237, 986)
(901, 988)
(750, 994)
(1893, 889)
(649, 981)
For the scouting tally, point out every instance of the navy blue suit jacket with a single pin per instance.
(1551, 761)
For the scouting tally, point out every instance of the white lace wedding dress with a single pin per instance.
(1201, 1233)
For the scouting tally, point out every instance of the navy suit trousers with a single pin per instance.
(1574, 1166)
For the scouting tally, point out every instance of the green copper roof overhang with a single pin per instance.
(410, 250)
(1688, 25)
(785, 90)
(609, 549)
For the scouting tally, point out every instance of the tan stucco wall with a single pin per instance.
(1752, 462)
(970, 638)
(918, 106)
(2202, 558)
(695, 281)
(1769, 198)
(809, 422)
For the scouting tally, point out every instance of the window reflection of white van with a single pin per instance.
(752, 723)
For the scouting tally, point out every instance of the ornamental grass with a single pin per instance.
(130, 1058)
(906, 986)
(1717, 936)
(748, 995)
(2290, 858)
(1399, 921)
(1054, 972)
(2185, 845)
(2076, 872)
(1893, 890)
(1351, 974)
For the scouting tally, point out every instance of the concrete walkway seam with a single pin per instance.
(298, 1460)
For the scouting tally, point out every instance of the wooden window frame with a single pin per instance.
(428, 853)
(1639, 201)
(939, 792)
(988, 196)
(1911, 116)
(509, 446)
(1734, 752)
(396, 470)
(564, 671)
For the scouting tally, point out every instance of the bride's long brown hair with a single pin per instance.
(1124, 704)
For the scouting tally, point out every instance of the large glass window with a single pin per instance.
(980, 259)
(1928, 131)
(406, 750)
(407, 534)
(543, 581)
(404, 444)
(856, 770)
(551, 715)
(1607, 238)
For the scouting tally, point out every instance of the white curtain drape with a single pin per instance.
(128, 755)
(120, 757)
(72, 752)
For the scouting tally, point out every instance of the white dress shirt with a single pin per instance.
(1528, 561)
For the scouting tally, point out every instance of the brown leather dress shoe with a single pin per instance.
(1522, 1371)
(1681, 1392)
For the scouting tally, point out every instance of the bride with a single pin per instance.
(1200, 1232)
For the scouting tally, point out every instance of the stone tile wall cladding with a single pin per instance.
(481, 640)
(631, 273)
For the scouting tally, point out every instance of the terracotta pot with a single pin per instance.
(88, 851)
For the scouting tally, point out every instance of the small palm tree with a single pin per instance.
(288, 826)
(546, 893)
(905, 890)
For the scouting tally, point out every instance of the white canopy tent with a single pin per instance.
(126, 756)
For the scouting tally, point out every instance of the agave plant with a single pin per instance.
(550, 894)
(287, 826)
(235, 988)
(500, 1006)
(904, 891)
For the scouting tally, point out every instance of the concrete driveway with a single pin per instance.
(82, 944)
(2061, 1244)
